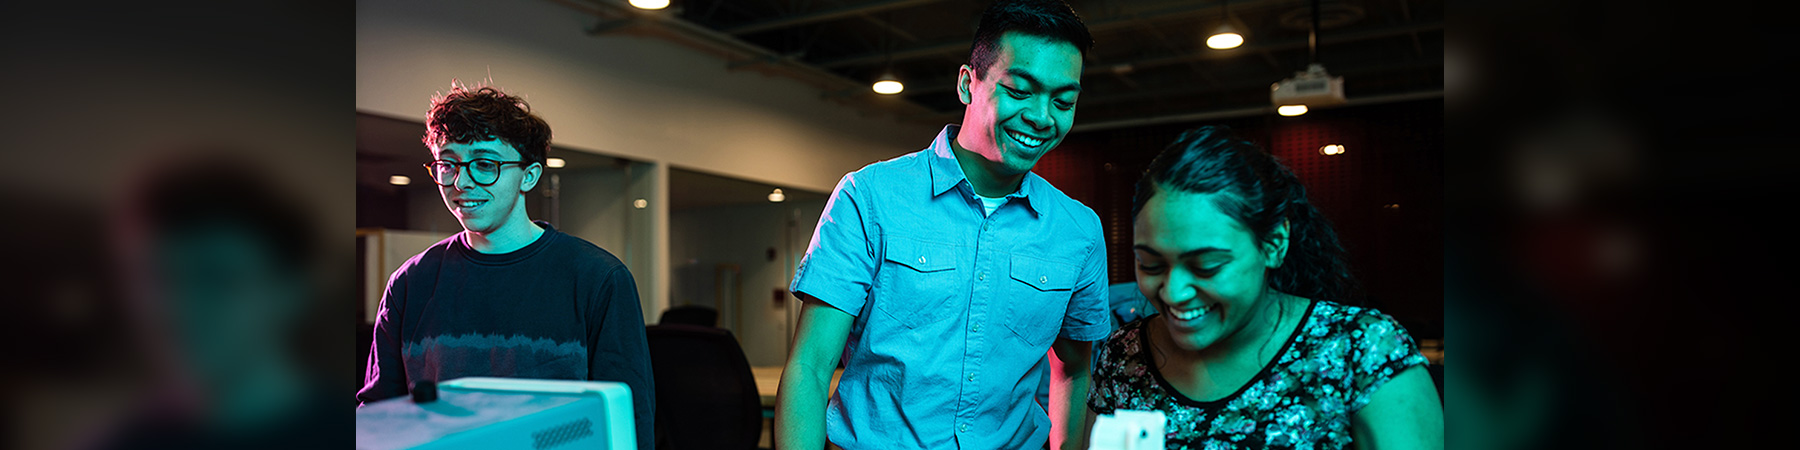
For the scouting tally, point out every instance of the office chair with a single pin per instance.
(691, 315)
(706, 397)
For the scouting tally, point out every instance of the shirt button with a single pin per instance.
(963, 427)
(971, 377)
(921, 260)
(981, 276)
(1041, 280)
(977, 327)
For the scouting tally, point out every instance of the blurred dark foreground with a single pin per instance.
(179, 177)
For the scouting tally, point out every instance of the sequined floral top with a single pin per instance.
(1326, 370)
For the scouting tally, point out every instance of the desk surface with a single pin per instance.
(768, 381)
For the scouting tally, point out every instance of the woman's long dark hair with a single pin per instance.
(1259, 193)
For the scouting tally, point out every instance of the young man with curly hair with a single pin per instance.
(508, 296)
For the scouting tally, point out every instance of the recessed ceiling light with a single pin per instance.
(399, 180)
(650, 4)
(555, 163)
(1291, 110)
(777, 196)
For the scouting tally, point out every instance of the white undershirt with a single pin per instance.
(991, 204)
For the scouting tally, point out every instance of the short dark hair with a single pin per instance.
(1260, 193)
(1049, 19)
(463, 116)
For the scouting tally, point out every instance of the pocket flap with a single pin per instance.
(1044, 275)
(920, 255)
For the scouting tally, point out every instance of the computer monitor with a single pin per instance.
(502, 414)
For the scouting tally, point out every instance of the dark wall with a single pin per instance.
(381, 207)
(1395, 156)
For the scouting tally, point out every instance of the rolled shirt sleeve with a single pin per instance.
(841, 261)
(1087, 318)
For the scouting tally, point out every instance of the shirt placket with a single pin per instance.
(988, 249)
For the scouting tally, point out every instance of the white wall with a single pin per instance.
(647, 236)
(594, 204)
(641, 98)
(703, 238)
(638, 97)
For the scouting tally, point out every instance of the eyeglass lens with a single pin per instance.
(481, 171)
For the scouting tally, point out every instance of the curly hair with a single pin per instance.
(1260, 193)
(463, 116)
(1051, 19)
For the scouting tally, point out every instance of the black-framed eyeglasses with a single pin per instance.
(482, 171)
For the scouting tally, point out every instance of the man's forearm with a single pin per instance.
(805, 382)
(1075, 435)
(1076, 368)
(800, 408)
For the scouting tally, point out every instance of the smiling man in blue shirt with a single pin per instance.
(944, 276)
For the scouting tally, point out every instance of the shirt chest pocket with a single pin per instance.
(1038, 296)
(917, 281)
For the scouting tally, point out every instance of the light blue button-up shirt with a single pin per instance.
(955, 309)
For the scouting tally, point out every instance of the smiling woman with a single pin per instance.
(1253, 348)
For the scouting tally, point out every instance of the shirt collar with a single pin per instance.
(946, 173)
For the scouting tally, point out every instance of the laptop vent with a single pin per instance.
(562, 434)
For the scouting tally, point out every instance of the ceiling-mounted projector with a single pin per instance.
(1313, 88)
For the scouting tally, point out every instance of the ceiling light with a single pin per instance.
(640, 203)
(399, 180)
(650, 4)
(888, 85)
(1224, 40)
(1227, 36)
(1333, 149)
(555, 163)
(776, 197)
(1291, 110)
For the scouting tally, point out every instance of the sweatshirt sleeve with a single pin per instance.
(385, 376)
(620, 352)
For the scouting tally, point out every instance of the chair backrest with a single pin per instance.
(1127, 303)
(706, 396)
(691, 315)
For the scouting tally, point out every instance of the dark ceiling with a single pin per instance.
(1149, 58)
